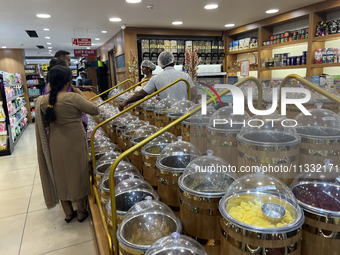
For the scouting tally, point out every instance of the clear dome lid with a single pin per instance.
(223, 120)
(109, 155)
(319, 98)
(105, 147)
(207, 176)
(115, 121)
(176, 244)
(180, 108)
(163, 106)
(145, 223)
(98, 101)
(142, 133)
(150, 104)
(319, 192)
(255, 91)
(123, 171)
(132, 127)
(126, 120)
(100, 139)
(155, 146)
(105, 165)
(261, 203)
(109, 111)
(114, 92)
(199, 119)
(322, 124)
(177, 155)
(99, 133)
(130, 192)
(269, 130)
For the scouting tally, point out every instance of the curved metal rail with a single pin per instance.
(133, 86)
(308, 84)
(111, 89)
(161, 131)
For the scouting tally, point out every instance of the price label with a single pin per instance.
(263, 188)
(178, 153)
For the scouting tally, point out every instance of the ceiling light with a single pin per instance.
(48, 43)
(87, 48)
(46, 29)
(104, 31)
(115, 19)
(49, 47)
(4, 47)
(272, 11)
(133, 1)
(211, 6)
(229, 25)
(177, 23)
(97, 39)
(43, 16)
(47, 37)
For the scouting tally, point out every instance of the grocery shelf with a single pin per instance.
(36, 95)
(18, 122)
(35, 84)
(10, 99)
(239, 69)
(325, 65)
(3, 133)
(17, 109)
(2, 119)
(211, 74)
(35, 74)
(12, 85)
(282, 67)
(284, 45)
(18, 138)
(326, 38)
(243, 51)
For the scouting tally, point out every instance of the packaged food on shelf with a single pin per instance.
(326, 28)
(3, 142)
(2, 111)
(2, 126)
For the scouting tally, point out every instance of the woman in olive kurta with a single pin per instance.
(67, 141)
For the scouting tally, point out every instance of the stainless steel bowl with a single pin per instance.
(175, 163)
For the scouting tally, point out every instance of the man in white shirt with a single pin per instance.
(178, 91)
(81, 79)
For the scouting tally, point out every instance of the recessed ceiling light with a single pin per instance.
(48, 43)
(4, 47)
(46, 29)
(88, 48)
(49, 47)
(272, 11)
(97, 39)
(115, 19)
(211, 6)
(47, 37)
(104, 31)
(43, 16)
(133, 1)
(229, 25)
(177, 23)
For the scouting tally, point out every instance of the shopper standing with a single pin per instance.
(65, 55)
(81, 79)
(63, 156)
(178, 91)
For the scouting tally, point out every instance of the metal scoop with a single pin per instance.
(273, 212)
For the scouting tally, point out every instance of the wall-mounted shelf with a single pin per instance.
(326, 38)
(17, 109)
(285, 45)
(15, 97)
(325, 65)
(253, 50)
(12, 85)
(282, 68)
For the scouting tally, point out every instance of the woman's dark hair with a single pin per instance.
(55, 62)
(59, 77)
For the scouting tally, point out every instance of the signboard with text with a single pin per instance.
(81, 42)
(85, 53)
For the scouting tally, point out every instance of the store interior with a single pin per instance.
(155, 153)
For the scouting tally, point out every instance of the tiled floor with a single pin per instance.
(26, 226)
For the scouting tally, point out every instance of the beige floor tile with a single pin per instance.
(37, 201)
(17, 178)
(14, 163)
(14, 201)
(87, 248)
(37, 179)
(11, 233)
(49, 229)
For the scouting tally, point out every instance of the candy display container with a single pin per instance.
(320, 136)
(170, 166)
(178, 110)
(139, 135)
(113, 126)
(128, 193)
(151, 152)
(149, 108)
(161, 110)
(202, 185)
(291, 109)
(318, 195)
(176, 244)
(144, 224)
(270, 142)
(129, 131)
(260, 215)
(104, 147)
(327, 103)
(120, 127)
(194, 128)
(222, 130)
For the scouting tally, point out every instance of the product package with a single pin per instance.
(330, 81)
(318, 56)
(235, 45)
(337, 81)
(253, 42)
(323, 81)
(153, 46)
(145, 46)
(333, 27)
(3, 142)
(173, 46)
(330, 55)
(167, 45)
(241, 44)
(208, 47)
(316, 80)
(231, 47)
(246, 43)
(160, 46)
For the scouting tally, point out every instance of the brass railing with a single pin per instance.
(161, 131)
(111, 89)
(133, 86)
(308, 84)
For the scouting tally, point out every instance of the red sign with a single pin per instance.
(85, 53)
(81, 42)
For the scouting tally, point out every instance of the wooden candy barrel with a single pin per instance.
(149, 116)
(113, 134)
(139, 112)
(279, 159)
(224, 145)
(108, 129)
(160, 120)
(137, 157)
(127, 144)
(176, 130)
(195, 134)
(314, 151)
(200, 218)
(123, 250)
(237, 241)
(120, 140)
(332, 106)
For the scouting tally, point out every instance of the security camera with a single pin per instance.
(123, 26)
(150, 7)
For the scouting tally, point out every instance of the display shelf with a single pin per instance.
(12, 85)
(34, 74)
(2, 119)
(325, 65)
(17, 109)
(243, 51)
(284, 45)
(36, 95)
(18, 138)
(35, 84)
(211, 74)
(239, 69)
(3, 133)
(326, 38)
(15, 97)
(18, 122)
(282, 67)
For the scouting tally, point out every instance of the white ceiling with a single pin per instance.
(86, 18)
